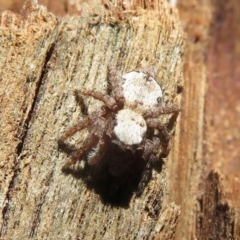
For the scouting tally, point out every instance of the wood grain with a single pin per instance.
(43, 60)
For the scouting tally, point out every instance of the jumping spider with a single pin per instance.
(128, 119)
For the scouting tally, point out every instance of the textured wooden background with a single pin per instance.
(196, 193)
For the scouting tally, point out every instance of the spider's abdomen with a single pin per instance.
(141, 91)
(131, 127)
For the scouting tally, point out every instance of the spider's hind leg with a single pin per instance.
(77, 127)
(146, 177)
(150, 155)
(163, 109)
(97, 153)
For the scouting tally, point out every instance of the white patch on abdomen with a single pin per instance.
(140, 91)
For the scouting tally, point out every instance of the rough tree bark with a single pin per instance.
(209, 153)
(195, 195)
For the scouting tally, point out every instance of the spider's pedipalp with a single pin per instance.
(156, 123)
(148, 147)
(109, 101)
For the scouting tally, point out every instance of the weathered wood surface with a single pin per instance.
(207, 181)
(43, 59)
(201, 173)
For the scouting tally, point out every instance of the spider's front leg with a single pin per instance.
(164, 109)
(109, 101)
(156, 123)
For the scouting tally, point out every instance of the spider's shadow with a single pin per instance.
(116, 178)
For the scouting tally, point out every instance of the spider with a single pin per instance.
(128, 119)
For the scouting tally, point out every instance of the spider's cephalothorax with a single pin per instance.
(127, 119)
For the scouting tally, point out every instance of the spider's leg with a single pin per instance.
(163, 109)
(146, 177)
(150, 155)
(82, 124)
(86, 145)
(156, 123)
(109, 101)
(115, 82)
(80, 102)
(97, 153)
(103, 130)
(77, 127)
(151, 149)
